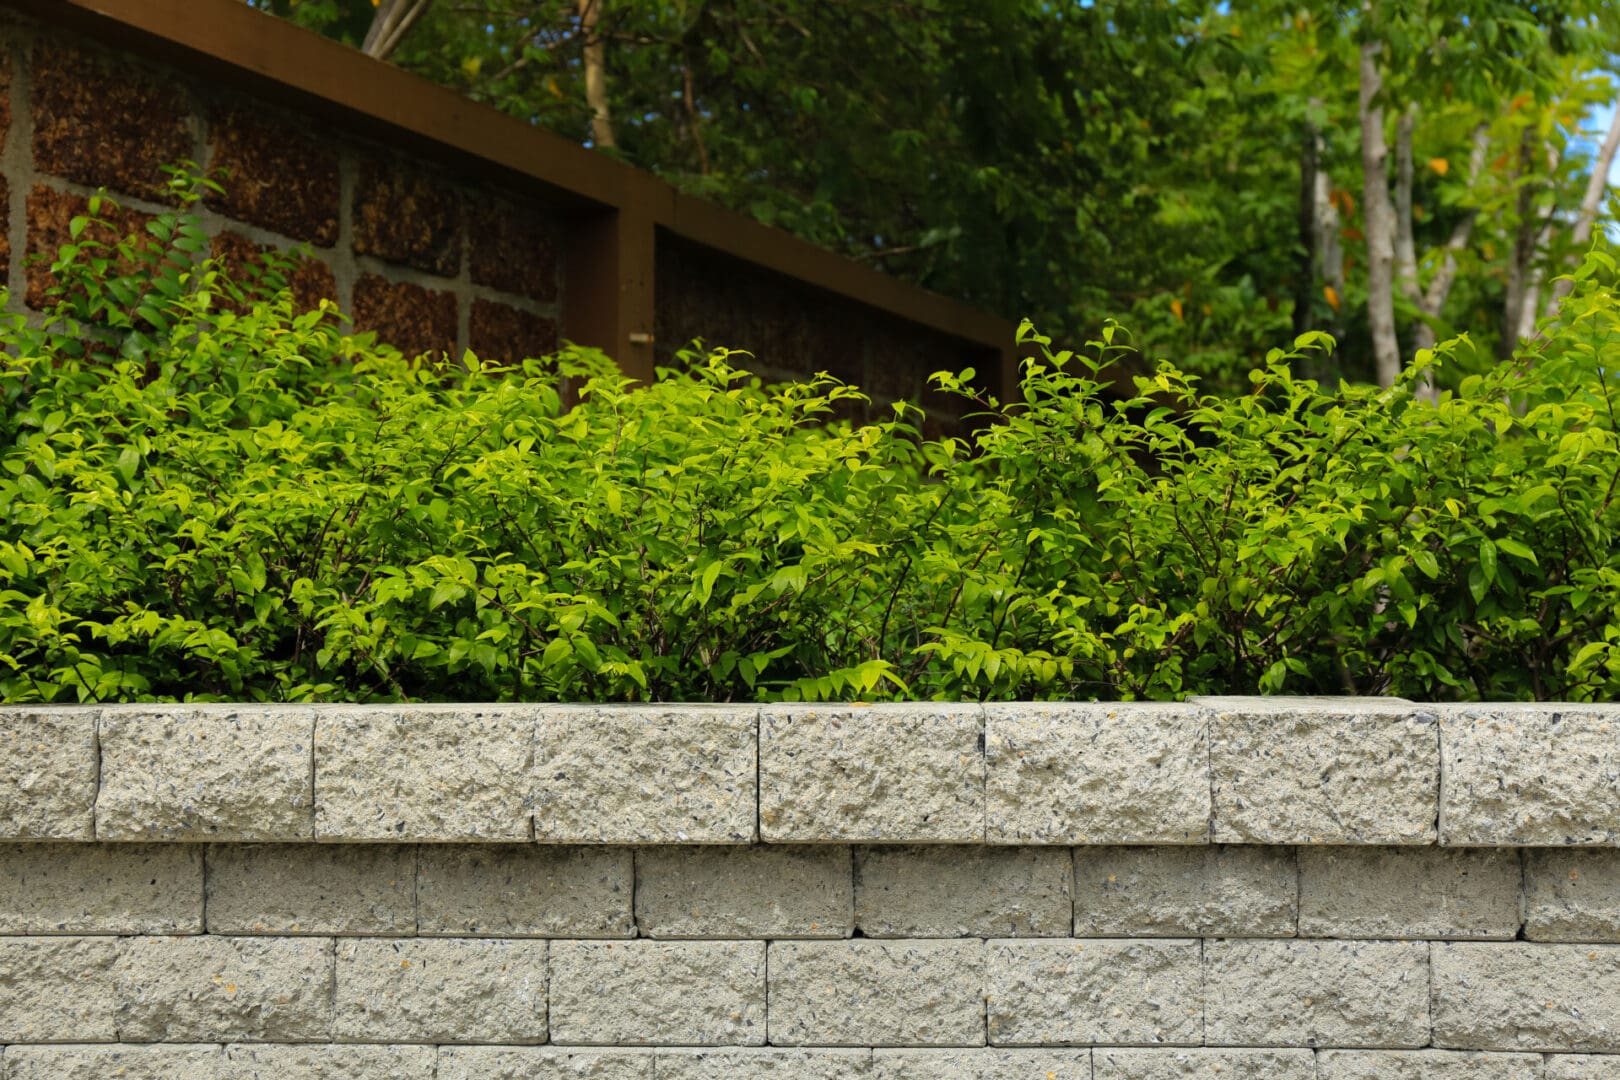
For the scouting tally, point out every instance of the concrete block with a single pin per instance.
(1571, 894)
(879, 773)
(248, 1062)
(1073, 992)
(47, 773)
(58, 989)
(793, 891)
(1221, 891)
(1425, 1065)
(775, 1063)
(292, 889)
(919, 892)
(877, 993)
(672, 993)
(1517, 995)
(472, 990)
(55, 888)
(525, 890)
(166, 1062)
(1168, 1064)
(1581, 1067)
(1416, 892)
(1096, 774)
(224, 989)
(981, 1064)
(542, 1063)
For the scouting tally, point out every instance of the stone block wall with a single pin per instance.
(1287, 889)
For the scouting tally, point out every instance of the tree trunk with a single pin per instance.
(596, 97)
(1406, 268)
(1305, 286)
(389, 25)
(1591, 202)
(1378, 216)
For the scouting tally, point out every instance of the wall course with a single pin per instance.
(963, 892)
(1076, 992)
(1372, 892)
(461, 990)
(520, 890)
(1425, 1065)
(250, 1062)
(542, 1063)
(311, 889)
(988, 1064)
(877, 993)
(1113, 1064)
(1221, 891)
(680, 993)
(776, 1064)
(175, 1062)
(65, 888)
(793, 891)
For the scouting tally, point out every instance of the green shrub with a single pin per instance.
(204, 494)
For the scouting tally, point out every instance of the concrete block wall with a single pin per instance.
(1278, 888)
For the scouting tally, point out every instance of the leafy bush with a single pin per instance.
(207, 494)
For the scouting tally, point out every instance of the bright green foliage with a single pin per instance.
(203, 494)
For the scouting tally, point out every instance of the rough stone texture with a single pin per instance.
(1582, 1067)
(653, 775)
(476, 990)
(525, 891)
(877, 993)
(1094, 991)
(1425, 1065)
(414, 320)
(1184, 892)
(1571, 895)
(101, 889)
(987, 1064)
(47, 773)
(310, 280)
(205, 774)
(327, 1063)
(512, 247)
(898, 773)
(423, 774)
(405, 216)
(224, 989)
(744, 892)
(58, 989)
(1321, 771)
(1349, 892)
(1531, 774)
(275, 177)
(502, 334)
(542, 1063)
(173, 1062)
(1096, 774)
(680, 993)
(1316, 993)
(963, 892)
(773, 1063)
(311, 889)
(1526, 996)
(1111, 1064)
(105, 123)
(50, 218)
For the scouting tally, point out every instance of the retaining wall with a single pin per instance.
(1230, 888)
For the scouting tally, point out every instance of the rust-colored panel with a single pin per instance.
(275, 178)
(310, 279)
(512, 246)
(101, 122)
(405, 216)
(412, 319)
(50, 217)
(501, 334)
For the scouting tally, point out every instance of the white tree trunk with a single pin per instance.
(596, 96)
(1591, 202)
(1379, 217)
(392, 21)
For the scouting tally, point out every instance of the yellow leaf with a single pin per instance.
(1331, 295)
(1175, 306)
(556, 91)
(471, 65)
(1440, 165)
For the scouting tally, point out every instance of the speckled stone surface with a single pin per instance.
(525, 890)
(442, 773)
(675, 993)
(1521, 995)
(876, 772)
(776, 1063)
(59, 888)
(224, 989)
(303, 889)
(1582, 1067)
(877, 993)
(58, 989)
(460, 990)
(792, 891)
(1571, 894)
(1425, 1065)
(542, 1063)
(205, 773)
(1242, 891)
(1316, 993)
(1096, 774)
(981, 1064)
(1110, 1063)
(1323, 771)
(1068, 991)
(1544, 775)
(656, 775)
(166, 1062)
(47, 773)
(953, 891)
(246, 1062)
(1385, 892)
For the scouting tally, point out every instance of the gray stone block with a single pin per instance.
(1074, 992)
(1096, 774)
(170, 1062)
(294, 889)
(672, 993)
(47, 773)
(1582, 1067)
(793, 891)
(525, 890)
(247, 1062)
(58, 989)
(1425, 1065)
(1167, 1064)
(224, 989)
(664, 774)
(775, 1063)
(1316, 993)
(473, 990)
(1220, 891)
(1416, 892)
(877, 993)
(1515, 995)
(1323, 770)
(449, 773)
(542, 1063)
(910, 773)
(1571, 894)
(205, 773)
(1531, 775)
(963, 892)
(981, 1064)
(56, 888)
